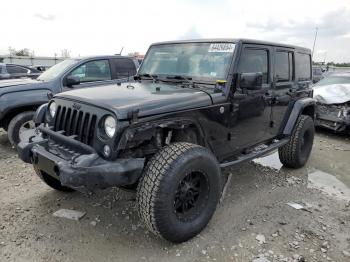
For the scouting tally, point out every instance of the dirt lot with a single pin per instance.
(252, 221)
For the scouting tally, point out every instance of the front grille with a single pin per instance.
(76, 123)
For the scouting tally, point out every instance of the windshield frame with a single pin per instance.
(193, 78)
(67, 65)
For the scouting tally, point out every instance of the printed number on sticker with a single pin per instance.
(222, 47)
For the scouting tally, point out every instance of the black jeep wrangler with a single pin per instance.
(195, 107)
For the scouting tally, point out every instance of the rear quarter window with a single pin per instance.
(302, 66)
(12, 69)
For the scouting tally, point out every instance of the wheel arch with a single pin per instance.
(309, 110)
(149, 130)
(11, 113)
(305, 106)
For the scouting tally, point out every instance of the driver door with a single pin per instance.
(91, 74)
(251, 109)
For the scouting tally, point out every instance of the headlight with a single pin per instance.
(52, 109)
(110, 126)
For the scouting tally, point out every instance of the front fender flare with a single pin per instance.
(40, 113)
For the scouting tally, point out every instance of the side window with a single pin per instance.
(123, 67)
(93, 71)
(11, 69)
(254, 61)
(33, 70)
(302, 66)
(283, 66)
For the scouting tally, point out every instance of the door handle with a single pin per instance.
(291, 91)
(268, 95)
(271, 97)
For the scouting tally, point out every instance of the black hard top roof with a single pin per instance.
(234, 40)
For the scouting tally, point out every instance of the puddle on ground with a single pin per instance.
(328, 184)
(271, 161)
(317, 179)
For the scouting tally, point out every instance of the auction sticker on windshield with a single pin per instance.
(222, 47)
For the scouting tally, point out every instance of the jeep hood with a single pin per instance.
(146, 97)
(332, 94)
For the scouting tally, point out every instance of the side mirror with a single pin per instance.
(72, 80)
(250, 81)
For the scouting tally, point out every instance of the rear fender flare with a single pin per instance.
(297, 110)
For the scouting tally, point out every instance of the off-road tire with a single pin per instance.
(52, 182)
(296, 152)
(6, 126)
(15, 125)
(158, 187)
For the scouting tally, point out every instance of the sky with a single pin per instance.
(102, 27)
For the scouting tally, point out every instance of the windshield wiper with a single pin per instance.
(179, 77)
(188, 81)
(146, 75)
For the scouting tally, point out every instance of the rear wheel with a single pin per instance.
(297, 151)
(178, 191)
(52, 182)
(19, 125)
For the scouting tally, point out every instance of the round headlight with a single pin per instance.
(52, 109)
(110, 126)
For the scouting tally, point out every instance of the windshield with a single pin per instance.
(56, 70)
(333, 80)
(208, 61)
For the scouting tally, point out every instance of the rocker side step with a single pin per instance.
(255, 153)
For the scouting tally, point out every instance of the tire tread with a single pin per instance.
(13, 128)
(149, 185)
(288, 154)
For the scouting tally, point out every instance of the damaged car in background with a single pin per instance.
(333, 102)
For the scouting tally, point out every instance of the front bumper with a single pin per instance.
(77, 166)
(332, 117)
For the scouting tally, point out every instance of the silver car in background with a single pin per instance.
(333, 102)
(13, 71)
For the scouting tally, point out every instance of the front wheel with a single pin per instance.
(296, 152)
(178, 191)
(19, 125)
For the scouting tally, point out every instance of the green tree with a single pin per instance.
(338, 64)
(22, 52)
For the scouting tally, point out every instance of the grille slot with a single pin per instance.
(74, 122)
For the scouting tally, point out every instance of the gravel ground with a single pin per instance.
(252, 223)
